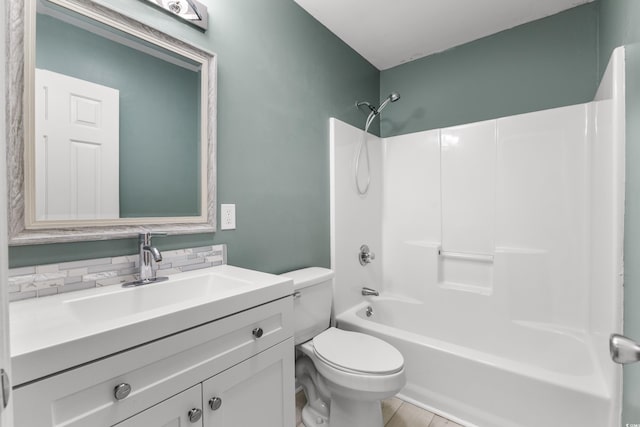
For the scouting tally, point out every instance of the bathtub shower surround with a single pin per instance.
(42, 280)
(500, 260)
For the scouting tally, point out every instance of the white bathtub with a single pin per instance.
(489, 374)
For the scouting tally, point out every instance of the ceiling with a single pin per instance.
(391, 32)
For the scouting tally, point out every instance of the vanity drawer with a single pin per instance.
(85, 396)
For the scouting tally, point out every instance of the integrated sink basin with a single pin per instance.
(161, 296)
(51, 334)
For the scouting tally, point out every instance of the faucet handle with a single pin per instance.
(365, 256)
(146, 236)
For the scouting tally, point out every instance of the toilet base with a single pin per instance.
(346, 413)
(313, 418)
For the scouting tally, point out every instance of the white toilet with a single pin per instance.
(344, 374)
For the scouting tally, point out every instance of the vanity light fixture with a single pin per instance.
(191, 11)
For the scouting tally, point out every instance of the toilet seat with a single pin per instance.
(357, 353)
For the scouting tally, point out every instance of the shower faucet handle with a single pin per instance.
(365, 256)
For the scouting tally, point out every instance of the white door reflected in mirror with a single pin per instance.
(76, 148)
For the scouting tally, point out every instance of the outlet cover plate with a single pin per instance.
(227, 217)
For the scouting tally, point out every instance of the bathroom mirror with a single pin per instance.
(118, 129)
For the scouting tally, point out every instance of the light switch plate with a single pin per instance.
(227, 217)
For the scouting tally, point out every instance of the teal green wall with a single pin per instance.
(544, 64)
(159, 110)
(620, 25)
(281, 76)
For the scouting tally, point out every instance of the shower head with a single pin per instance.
(393, 97)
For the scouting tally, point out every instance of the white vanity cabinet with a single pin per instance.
(245, 359)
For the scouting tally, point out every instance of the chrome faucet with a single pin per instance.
(146, 254)
(370, 292)
(147, 274)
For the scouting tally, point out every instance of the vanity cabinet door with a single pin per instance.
(183, 409)
(256, 392)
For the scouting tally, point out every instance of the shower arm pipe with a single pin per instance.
(368, 105)
(373, 109)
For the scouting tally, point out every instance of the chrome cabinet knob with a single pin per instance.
(121, 391)
(257, 332)
(194, 415)
(215, 403)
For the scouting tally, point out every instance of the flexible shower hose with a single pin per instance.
(364, 144)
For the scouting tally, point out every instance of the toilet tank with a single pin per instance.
(313, 295)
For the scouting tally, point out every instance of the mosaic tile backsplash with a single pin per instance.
(43, 280)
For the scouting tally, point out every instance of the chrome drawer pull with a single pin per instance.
(121, 391)
(257, 332)
(215, 403)
(194, 415)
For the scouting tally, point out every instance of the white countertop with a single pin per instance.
(59, 332)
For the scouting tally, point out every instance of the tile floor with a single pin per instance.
(395, 413)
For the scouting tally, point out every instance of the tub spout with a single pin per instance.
(368, 291)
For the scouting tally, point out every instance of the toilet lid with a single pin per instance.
(353, 351)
